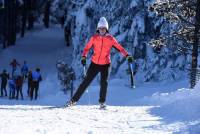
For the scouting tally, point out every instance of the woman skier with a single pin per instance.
(101, 42)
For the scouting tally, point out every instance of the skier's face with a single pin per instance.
(102, 30)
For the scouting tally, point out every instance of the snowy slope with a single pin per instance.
(81, 119)
(39, 49)
(151, 108)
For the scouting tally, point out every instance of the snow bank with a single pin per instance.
(182, 105)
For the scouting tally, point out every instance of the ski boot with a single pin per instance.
(102, 106)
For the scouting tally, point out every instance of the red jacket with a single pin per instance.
(102, 46)
(14, 64)
(19, 81)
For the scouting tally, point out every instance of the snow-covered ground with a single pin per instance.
(151, 108)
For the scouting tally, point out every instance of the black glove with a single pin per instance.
(83, 61)
(129, 59)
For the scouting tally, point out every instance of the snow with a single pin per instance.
(115, 29)
(138, 22)
(122, 36)
(151, 108)
(180, 60)
(81, 18)
(87, 119)
(134, 3)
(39, 50)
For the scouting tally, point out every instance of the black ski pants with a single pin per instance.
(3, 87)
(93, 70)
(34, 88)
(19, 90)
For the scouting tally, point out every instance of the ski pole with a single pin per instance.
(87, 91)
(72, 88)
(72, 83)
(84, 71)
(132, 81)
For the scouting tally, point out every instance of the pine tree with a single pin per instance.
(185, 15)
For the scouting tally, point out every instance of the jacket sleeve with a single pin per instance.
(119, 47)
(87, 47)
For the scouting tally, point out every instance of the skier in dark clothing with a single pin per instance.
(29, 82)
(19, 83)
(36, 78)
(4, 78)
(14, 65)
(102, 42)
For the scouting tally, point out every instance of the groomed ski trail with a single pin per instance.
(81, 120)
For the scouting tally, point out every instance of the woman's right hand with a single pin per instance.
(83, 61)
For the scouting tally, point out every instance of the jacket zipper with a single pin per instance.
(101, 49)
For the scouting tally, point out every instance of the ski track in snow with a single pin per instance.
(79, 119)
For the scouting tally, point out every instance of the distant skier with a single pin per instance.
(24, 70)
(19, 83)
(12, 86)
(101, 42)
(36, 78)
(4, 78)
(15, 76)
(16, 73)
(14, 65)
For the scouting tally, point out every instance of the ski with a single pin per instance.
(102, 108)
(129, 86)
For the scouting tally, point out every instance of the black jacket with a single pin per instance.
(4, 78)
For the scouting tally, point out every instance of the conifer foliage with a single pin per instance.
(184, 15)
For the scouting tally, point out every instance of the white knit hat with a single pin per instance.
(102, 23)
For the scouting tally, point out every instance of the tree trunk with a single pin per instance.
(46, 14)
(195, 47)
(10, 23)
(24, 18)
(31, 12)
